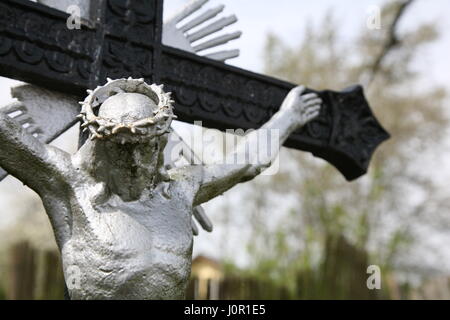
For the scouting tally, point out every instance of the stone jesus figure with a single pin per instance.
(119, 217)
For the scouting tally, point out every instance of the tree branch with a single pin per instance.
(391, 41)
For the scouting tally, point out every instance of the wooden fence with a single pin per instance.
(36, 274)
(341, 275)
(32, 274)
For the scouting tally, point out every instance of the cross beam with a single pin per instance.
(37, 47)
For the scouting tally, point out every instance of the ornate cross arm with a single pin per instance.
(346, 133)
(37, 47)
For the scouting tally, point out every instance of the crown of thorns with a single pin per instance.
(100, 127)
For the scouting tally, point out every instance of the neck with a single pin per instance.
(128, 169)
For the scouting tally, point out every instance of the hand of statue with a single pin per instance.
(303, 107)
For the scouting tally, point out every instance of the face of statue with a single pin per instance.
(131, 134)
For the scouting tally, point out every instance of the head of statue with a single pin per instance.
(127, 111)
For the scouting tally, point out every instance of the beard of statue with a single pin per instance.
(128, 164)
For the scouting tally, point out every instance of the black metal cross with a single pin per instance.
(125, 40)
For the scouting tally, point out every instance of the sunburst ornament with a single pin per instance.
(102, 127)
(200, 33)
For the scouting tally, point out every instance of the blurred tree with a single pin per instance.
(383, 213)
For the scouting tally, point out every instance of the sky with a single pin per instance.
(287, 19)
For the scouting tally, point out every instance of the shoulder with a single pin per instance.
(191, 175)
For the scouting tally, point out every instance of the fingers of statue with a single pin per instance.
(293, 98)
(312, 116)
(309, 96)
(313, 102)
(298, 90)
(312, 109)
(295, 94)
(305, 106)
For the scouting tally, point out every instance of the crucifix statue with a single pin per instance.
(121, 217)
(118, 215)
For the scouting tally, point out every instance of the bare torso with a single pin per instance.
(136, 249)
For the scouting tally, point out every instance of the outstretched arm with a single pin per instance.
(37, 165)
(258, 148)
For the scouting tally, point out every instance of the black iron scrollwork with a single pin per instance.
(36, 46)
